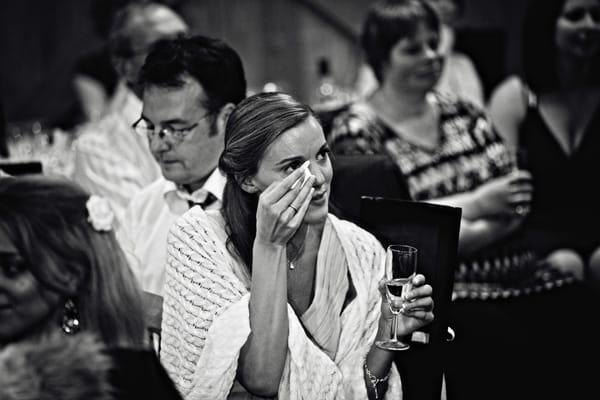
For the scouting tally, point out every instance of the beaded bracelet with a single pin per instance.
(373, 379)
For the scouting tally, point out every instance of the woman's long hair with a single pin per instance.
(47, 221)
(254, 124)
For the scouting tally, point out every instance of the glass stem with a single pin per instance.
(395, 328)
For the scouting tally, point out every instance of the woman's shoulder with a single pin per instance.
(357, 119)
(510, 91)
(357, 236)
(198, 242)
(508, 107)
(452, 106)
(357, 130)
(201, 221)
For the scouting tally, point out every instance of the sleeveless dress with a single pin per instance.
(564, 211)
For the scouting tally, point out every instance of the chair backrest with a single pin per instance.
(152, 305)
(370, 191)
(16, 168)
(433, 230)
(363, 175)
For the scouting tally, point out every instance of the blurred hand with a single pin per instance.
(505, 196)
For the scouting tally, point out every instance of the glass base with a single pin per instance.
(392, 345)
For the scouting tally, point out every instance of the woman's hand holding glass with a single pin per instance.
(281, 208)
(416, 312)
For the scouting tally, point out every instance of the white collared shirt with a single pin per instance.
(147, 220)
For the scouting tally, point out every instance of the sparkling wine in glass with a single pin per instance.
(401, 266)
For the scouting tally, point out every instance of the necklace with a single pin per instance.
(293, 253)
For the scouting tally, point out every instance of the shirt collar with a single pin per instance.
(215, 184)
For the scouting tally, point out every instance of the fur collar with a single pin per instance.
(56, 367)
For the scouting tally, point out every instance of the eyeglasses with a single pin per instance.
(144, 128)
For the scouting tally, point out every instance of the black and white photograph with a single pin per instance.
(299, 199)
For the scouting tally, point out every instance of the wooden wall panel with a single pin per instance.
(278, 40)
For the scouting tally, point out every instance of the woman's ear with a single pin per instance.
(247, 184)
(75, 279)
(223, 116)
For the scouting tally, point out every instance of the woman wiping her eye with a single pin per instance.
(272, 295)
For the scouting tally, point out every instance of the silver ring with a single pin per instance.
(520, 210)
(293, 208)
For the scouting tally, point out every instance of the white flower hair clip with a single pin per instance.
(100, 215)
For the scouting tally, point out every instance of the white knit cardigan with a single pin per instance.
(206, 319)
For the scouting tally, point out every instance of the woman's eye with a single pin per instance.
(293, 166)
(574, 15)
(323, 154)
(433, 44)
(12, 269)
(412, 50)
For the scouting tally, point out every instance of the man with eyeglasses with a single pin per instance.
(190, 86)
(110, 159)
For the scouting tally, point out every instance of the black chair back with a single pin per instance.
(433, 230)
(16, 168)
(355, 176)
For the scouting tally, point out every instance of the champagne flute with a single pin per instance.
(400, 269)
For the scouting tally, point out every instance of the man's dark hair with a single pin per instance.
(214, 64)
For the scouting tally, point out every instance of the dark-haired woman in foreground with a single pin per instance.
(71, 320)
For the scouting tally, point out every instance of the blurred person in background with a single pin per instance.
(445, 148)
(448, 153)
(459, 76)
(72, 325)
(109, 158)
(190, 86)
(551, 115)
(94, 75)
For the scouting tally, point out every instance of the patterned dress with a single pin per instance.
(469, 153)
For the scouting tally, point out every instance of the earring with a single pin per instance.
(70, 319)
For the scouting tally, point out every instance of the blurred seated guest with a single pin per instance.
(94, 76)
(445, 148)
(287, 295)
(447, 152)
(551, 114)
(69, 304)
(190, 86)
(110, 159)
(459, 76)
